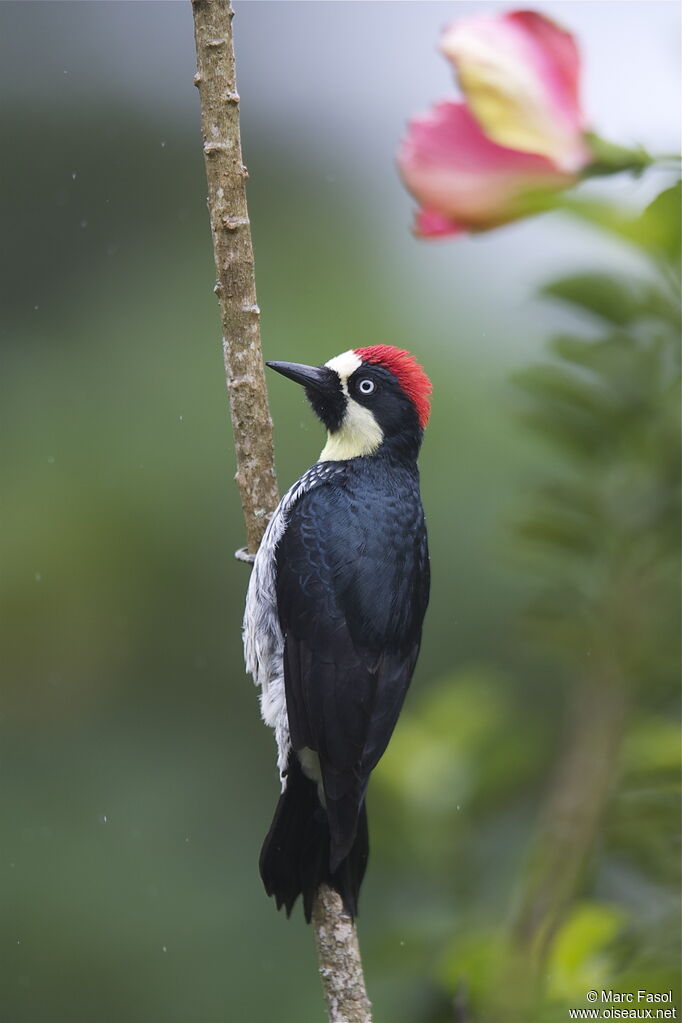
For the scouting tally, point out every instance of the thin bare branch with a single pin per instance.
(235, 275)
(338, 953)
(335, 933)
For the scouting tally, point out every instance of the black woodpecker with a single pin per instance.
(334, 615)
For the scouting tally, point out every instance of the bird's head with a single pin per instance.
(368, 398)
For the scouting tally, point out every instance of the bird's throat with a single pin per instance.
(358, 435)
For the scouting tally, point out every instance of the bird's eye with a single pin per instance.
(366, 386)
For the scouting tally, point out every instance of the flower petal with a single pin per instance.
(520, 74)
(431, 224)
(461, 176)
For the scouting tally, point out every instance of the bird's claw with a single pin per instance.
(243, 554)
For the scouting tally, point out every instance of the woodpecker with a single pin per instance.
(334, 614)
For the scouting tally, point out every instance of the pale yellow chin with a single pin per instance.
(358, 435)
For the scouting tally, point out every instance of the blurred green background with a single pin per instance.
(138, 781)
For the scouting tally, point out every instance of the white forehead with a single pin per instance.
(345, 364)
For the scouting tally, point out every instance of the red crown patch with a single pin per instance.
(407, 372)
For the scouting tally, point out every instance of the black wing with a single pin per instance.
(352, 589)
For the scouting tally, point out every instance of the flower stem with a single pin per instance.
(610, 158)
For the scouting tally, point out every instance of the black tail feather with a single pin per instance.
(295, 858)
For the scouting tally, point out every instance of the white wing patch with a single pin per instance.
(263, 640)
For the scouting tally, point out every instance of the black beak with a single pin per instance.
(317, 378)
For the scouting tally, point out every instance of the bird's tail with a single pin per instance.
(295, 856)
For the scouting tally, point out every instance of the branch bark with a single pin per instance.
(335, 934)
(338, 954)
(235, 274)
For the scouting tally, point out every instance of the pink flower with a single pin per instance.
(520, 75)
(466, 182)
(519, 137)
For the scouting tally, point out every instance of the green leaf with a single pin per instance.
(660, 222)
(629, 372)
(561, 533)
(582, 954)
(567, 516)
(566, 393)
(620, 302)
(574, 434)
(595, 355)
(653, 744)
(599, 294)
(575, 496)
(656, 229)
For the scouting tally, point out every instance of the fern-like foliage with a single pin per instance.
(606, 521)
(603, 525)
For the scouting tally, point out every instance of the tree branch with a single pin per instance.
(338, 954)
(335, 933)
(235, 275)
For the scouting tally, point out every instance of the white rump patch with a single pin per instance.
(310, 765)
